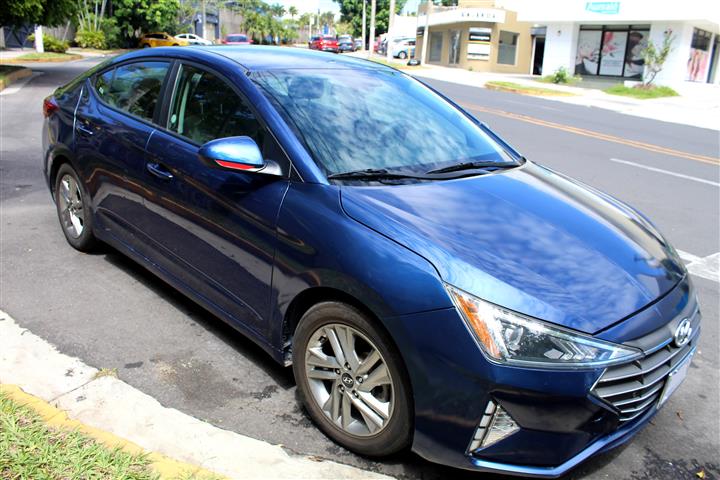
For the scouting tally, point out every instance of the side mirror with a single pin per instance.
(237, 153)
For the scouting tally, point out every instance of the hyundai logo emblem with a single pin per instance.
(682, 333)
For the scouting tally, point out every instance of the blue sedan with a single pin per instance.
(431, 287)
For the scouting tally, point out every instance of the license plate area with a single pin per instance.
(675, 378)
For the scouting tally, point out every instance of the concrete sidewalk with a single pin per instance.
(104, 403)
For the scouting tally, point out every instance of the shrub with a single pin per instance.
(52, 44)
(561, 75)
(90, 39)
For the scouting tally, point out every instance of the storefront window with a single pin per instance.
(613, 50)
(507, 48)
(699, 56)
(436, 41)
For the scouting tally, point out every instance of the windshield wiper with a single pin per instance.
(473, 165)
(372, 173)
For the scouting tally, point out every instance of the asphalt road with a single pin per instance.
(112, 314)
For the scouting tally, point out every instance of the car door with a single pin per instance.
(214, 229)
(113, 123)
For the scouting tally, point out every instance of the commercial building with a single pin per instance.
(479, 35)
(606, 38)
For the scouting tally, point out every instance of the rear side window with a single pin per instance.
(133, 88)
(205, 107)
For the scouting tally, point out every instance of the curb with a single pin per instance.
(548, 93)
(14, 77)
(164, 466)
(116, 411)
(16, 61)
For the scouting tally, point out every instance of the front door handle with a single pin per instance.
(159, 171)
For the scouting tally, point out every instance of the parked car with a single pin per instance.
(161, 39)
(193, 39)
(358, 44)
(404, 48)
(346, 43)
(325, 43)
(237, 39)
(431, 287)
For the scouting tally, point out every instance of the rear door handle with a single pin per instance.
(81, 127)
(159, 171)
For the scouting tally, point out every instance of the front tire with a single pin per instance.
(352, 380)
(402, 55)
(73, 209)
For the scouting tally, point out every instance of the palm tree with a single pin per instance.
(277, 10)
(292, 11)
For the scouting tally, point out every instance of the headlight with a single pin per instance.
(509, 337)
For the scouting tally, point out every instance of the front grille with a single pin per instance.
(633, 388)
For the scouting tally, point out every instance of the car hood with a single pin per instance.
(529, 239)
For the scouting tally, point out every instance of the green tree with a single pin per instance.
(351, 12)
(654, 57)
(135, 17)
(292, 11)
(50, 13)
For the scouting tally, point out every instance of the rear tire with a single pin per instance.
(359, 396)
(402, 55)
(73, 209)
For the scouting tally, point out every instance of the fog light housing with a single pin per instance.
(495, 425)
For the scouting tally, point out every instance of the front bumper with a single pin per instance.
(562, 419)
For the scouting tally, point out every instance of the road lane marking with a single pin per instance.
(666, 172)
(704, 267)
(688, 257)
(596, 135)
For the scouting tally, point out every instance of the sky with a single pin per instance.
(330, 6)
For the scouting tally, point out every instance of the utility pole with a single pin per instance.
(373, 4)
(204, 20)
(389, 36)
(426, 33)
(364, 36)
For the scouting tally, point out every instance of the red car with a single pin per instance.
(237, 39)
(326, 43)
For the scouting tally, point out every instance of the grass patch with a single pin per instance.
(45, 57)
(107, 372)
(524, 89)
(641, 92)
(31, 449)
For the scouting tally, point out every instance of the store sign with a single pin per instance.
(478, 47)
(457, 15)
(605, 8)
(478, 34)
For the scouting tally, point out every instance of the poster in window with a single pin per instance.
(478, 47)
(699, 56)
(588, 52)
(634, 63)
(612, 56)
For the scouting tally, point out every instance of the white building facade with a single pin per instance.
(606, 38)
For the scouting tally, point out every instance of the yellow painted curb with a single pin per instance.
(166, 467)
(543, 92)
(15, 61)
(14, 76)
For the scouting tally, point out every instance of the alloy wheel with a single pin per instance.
(71, 206)
(349, 379)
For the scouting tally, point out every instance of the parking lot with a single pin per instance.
(112, 314)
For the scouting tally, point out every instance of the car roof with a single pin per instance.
(264, 57)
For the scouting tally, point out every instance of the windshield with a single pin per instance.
(379, 119)
(237, 38)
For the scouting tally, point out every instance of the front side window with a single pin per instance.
(390, 121)
(133, 88)
(205, 108)
(507, 48)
